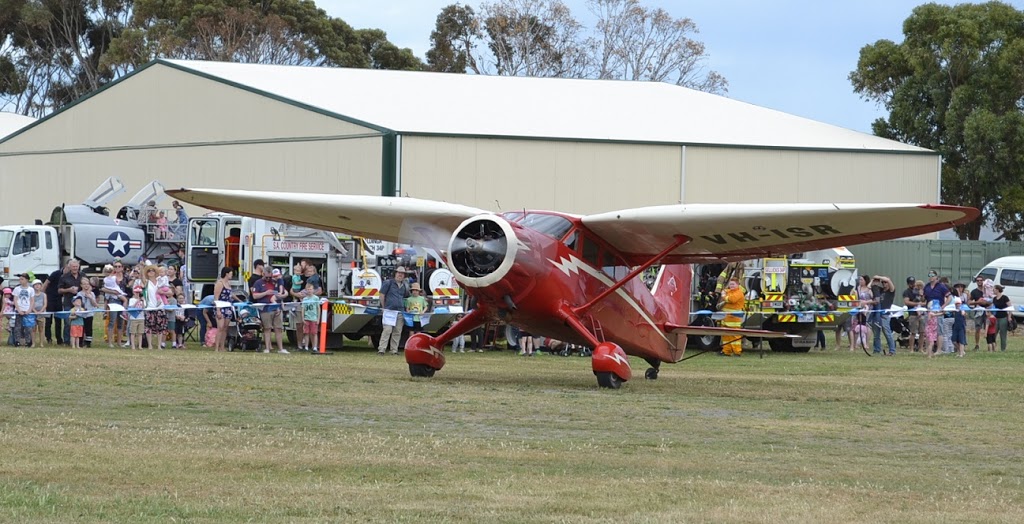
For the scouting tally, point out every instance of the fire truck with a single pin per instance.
(798, 294)
(348, 267)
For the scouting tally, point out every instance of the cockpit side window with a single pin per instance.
(589, 250)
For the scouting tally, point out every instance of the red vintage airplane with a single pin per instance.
(573, 277)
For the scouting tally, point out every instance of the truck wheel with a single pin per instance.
(375, 341)
(705, 343)
(785, 345)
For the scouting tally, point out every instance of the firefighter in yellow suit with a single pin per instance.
(732, 301)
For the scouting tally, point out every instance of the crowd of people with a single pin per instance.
(938, 315)
(132, 302)
(137, 306)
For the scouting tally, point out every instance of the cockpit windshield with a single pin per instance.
(552, 225)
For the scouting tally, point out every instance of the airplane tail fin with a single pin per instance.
(671, 291)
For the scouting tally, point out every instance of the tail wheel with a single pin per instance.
(609, 380)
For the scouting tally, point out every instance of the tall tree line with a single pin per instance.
(955, 84)
(55, 51)
(628, 41)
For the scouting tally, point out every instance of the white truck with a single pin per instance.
(349, 272)
(82, 231)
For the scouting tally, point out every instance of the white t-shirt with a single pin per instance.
(23, 299)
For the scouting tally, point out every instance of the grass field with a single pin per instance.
(106, 435)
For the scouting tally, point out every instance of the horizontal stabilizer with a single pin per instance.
(704, 331)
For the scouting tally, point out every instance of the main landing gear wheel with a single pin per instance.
(607, 379)
(650, 374)
(422, 370)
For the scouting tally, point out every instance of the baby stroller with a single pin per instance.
(245, 332)
(900, 330)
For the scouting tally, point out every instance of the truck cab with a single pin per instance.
(25, 249)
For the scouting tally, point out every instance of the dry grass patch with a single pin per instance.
(106, 435)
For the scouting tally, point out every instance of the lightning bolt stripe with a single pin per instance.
(575, 265)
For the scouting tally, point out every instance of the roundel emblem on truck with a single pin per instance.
(118, 244)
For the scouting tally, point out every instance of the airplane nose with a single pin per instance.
(482, 250)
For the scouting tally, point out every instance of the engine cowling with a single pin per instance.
(482, 251)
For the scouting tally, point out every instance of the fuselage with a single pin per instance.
(552, 266)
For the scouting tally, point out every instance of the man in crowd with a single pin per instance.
(939, 292)
(885, 293)
(53, 305)
(392, 295)
(257, 274)
(68, 286)
(917, 321)
(270, 292)
(977, 300)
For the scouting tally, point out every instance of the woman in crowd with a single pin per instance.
(222, 292)
(156, 318)
(1002, 306)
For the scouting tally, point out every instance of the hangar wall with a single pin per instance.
(183, 130)
(506, 174)
(733, 174)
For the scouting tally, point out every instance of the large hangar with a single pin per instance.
(493, 142)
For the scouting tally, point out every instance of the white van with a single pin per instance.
(1008, 272)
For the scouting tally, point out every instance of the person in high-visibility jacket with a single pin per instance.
(732, 301)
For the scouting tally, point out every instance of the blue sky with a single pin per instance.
(793, 56)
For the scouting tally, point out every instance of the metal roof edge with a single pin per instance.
(921, 151)
(272, 96)
(81, 99)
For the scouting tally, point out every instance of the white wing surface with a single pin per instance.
(405, 220)
(739, 231)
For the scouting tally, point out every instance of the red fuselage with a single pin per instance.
(554, 266)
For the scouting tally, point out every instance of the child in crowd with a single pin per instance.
(77, 322)
(991, 328)
(859, 321)
(959, 322)
(297, 279)
(163, 285)
(162, 231)
(179, 324)
(172, 320)
(136, 318)
(8, 312)
(39, 309)
(931, 329)
(459, 342)
(310, 319)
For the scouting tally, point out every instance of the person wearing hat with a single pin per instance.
(38, 311)
(416, 303)
(885, 292)
(392, 296)
(269, 291)
(913, 299)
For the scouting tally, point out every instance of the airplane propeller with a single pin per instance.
(478, 248)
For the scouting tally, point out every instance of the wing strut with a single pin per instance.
(679, 240)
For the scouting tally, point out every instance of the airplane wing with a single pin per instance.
(405, 220)
(741, 231)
